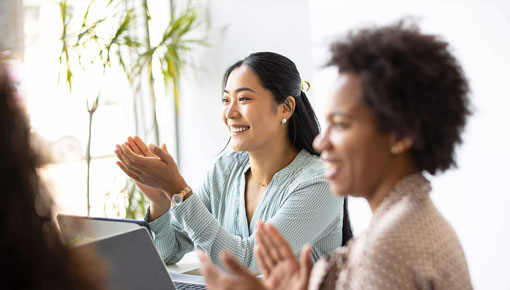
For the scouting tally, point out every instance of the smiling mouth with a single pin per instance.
(331, 165)
(332, 169)
(236, 130)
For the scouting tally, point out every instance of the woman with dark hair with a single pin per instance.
(32, 255)
(397, 110)
(273, 174)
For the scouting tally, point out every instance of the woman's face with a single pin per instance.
(249, 111)
(355, 152)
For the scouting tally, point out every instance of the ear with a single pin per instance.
(401, 144)
(288, 107)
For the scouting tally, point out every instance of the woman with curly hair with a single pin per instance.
(397, 111)
(32, 255)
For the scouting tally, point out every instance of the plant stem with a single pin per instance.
(152, 93)
(176, 121)
(91, 113)
(172, 11)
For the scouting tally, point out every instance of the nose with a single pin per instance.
(231, 111)
(321, 142)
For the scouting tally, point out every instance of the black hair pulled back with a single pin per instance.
(280, 76)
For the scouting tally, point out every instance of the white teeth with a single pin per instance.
(331, 165)
(238, 129)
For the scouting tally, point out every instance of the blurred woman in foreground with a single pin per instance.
(397, 110)
(32, 255)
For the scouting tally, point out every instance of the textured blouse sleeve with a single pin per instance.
(307, 213)
(304, 215)
(170, 238)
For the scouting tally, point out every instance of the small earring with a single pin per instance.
(284, 121)
(394, 150)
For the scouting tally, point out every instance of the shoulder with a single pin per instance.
(415, 238)
(230, 161)
(305, 181)
(308, 171)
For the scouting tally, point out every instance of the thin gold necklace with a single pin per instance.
(258, 183)
(261, 184)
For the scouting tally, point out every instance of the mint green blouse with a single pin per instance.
(297, 201)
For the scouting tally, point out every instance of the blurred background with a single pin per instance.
(90, 73)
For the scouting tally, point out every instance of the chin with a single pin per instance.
(237, 147)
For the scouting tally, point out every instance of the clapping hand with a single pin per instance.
(156, 168)
(279, 266)
(241, 277)
(278, 263)
(154, 171)
(140, 148)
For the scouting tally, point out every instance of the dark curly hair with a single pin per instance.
(32, 255)
(413, 85)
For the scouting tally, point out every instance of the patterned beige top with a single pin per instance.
(408, 245)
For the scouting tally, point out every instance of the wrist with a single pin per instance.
(156, 210)
(174, 187)
(179, 197)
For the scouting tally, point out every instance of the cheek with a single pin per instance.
(339, 141)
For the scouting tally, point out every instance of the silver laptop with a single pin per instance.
(134, 263)
(76, 230)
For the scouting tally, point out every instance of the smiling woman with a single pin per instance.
(397, 110)
(273, 174)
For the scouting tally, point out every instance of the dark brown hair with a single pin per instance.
(413, 85)
(32, 255)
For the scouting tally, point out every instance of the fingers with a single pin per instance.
(130, 159)
(207, 269)
(234, 266)
(305, 262)
(274, 244)
(142, 146)
(264, 249)
(164, 148)
(265, 268)
(128, 173)
(278, 242)
(132, 145)
(164, 156)
(124, 165)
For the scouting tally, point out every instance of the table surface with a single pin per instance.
(189, 264)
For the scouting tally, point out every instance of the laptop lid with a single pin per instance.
(132, 261)
(76, 230)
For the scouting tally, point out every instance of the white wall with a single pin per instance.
(474, 198)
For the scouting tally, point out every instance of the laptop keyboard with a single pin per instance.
(188, 286)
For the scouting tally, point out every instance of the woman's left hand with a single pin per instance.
(159, 171)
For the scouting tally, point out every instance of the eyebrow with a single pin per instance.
(341, 114)
(240, 90)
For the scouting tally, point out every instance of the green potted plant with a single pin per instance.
(115, 39)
